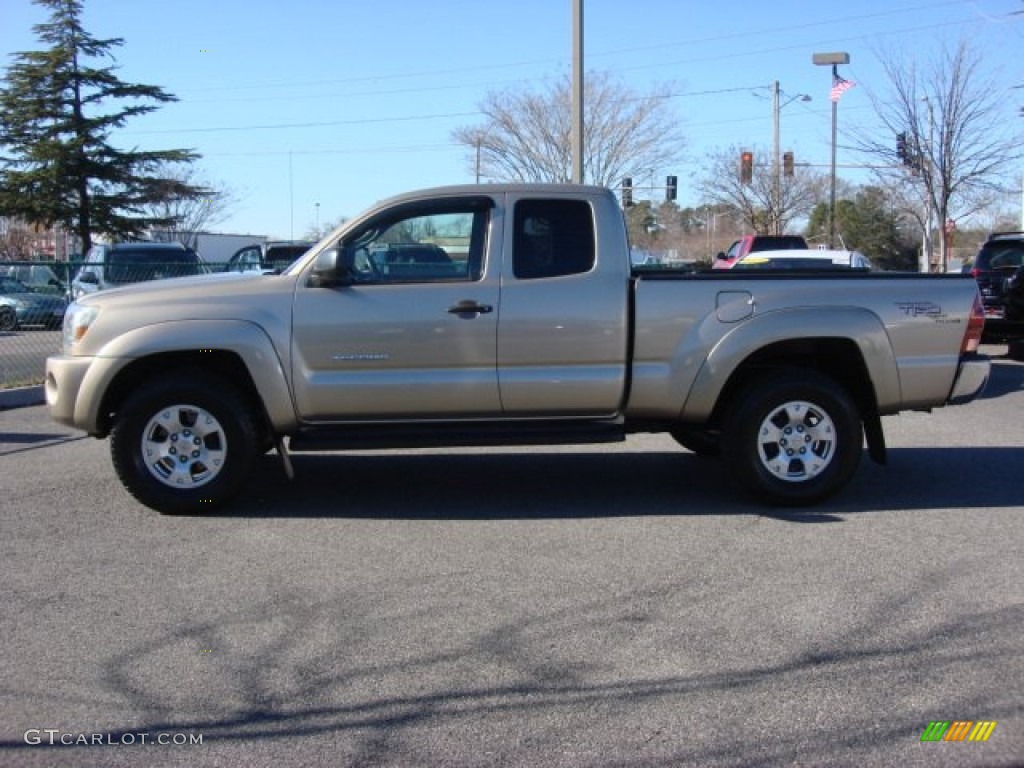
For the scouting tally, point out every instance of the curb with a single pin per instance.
(21, 397)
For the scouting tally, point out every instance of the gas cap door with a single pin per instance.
(733, 306)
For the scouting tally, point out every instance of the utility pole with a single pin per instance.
(577, 91)
(926, 171)
(776, 170)
(478, 140)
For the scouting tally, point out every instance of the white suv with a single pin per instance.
(111, 266)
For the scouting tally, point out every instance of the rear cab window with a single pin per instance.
(552, 238)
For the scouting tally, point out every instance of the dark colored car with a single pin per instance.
(112, 266)
(1014, 297)
(1000, 257)
(21, 306)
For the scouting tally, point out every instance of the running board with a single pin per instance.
(455, 435)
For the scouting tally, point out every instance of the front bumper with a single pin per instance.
(64, 377)
(971, 378)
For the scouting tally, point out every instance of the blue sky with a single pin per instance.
(341, 103)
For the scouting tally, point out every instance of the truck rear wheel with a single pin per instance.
(184, 444)
(794, 438)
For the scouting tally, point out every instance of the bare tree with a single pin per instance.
(957, 145)
(756, 202)
(315, 232)
(192, 213)
(15, 241)
(526, 135)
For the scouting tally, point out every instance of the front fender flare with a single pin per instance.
(245, 339)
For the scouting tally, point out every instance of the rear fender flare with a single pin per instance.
(860, 326)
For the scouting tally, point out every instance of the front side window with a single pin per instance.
(420, 247)
(552, 238)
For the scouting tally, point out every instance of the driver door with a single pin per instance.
(415, 334)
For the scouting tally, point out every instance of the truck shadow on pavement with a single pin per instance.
(1006, 378)
(583, 485)
(306, 664)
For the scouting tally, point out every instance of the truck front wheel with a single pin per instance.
(184, 444)
(794, 438)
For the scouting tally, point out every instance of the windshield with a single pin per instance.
(1008, 255)
(133, 266)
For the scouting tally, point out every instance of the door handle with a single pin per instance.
(470, 308)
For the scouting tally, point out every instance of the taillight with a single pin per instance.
(975, 326)
(974, 272)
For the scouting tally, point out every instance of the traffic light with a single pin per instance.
(787, 163)
(901, 148)
(746, 167)
(627, 192)
(671, 185)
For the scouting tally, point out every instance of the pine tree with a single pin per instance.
(57, 163)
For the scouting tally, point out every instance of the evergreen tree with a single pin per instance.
(57, 163)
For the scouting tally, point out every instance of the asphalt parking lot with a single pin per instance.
(601, 606)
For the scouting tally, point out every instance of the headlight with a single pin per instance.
(77, 320)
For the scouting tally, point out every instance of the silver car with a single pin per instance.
(21, 306)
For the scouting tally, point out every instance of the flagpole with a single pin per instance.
(833, 60)
(832, 192)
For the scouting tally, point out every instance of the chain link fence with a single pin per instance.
(35, 294)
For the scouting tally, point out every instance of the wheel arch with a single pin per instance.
(243, 355)
(850, 345)
(863, 365)
(222, 363)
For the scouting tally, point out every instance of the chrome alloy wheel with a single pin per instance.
(184, 446)
(797, 441)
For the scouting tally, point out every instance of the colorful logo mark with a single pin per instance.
(958, 730)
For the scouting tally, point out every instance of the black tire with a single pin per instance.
(8, 319)
(200, 411)
(794, 438)
(699, 441)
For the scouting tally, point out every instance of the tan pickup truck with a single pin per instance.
(507, 315)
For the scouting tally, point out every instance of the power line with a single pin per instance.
(401, 118)
(345, 151)
(364, 121)
(778, 32)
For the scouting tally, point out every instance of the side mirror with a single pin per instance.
(89, 278)
(330, 270)
(721, 255)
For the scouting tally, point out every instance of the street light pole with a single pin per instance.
(777, 106)
(577, 91)
(832, 60)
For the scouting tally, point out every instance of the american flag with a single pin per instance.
(839, 87)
